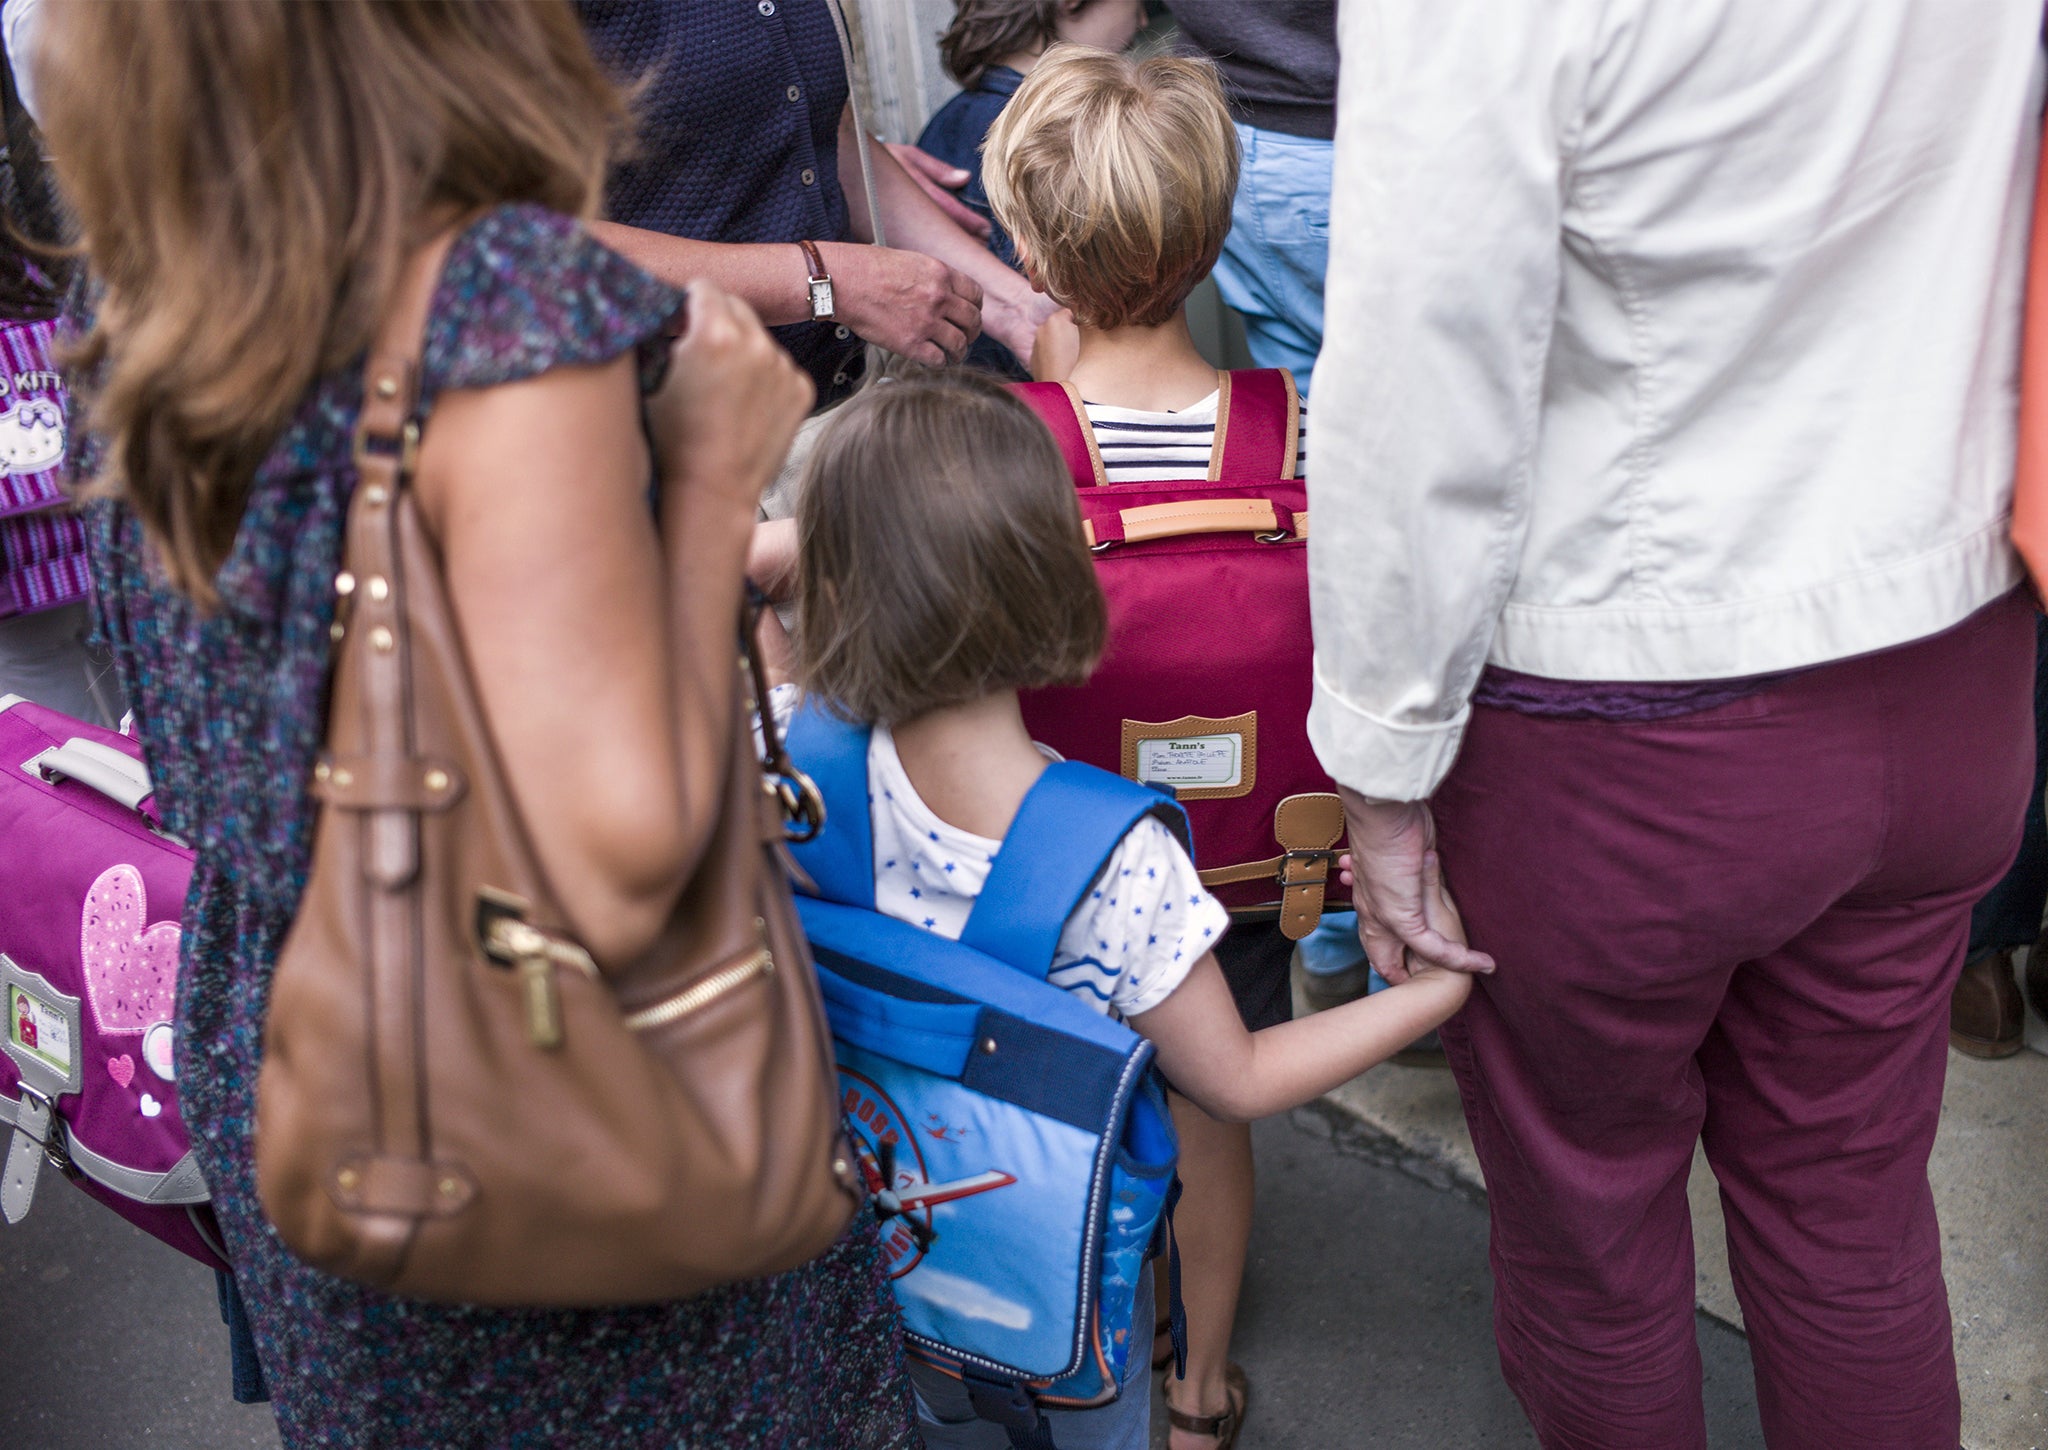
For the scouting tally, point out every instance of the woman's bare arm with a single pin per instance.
(603, 652)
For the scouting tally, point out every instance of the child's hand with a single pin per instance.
(771, 558)
(1056, 348)
(1448, 990)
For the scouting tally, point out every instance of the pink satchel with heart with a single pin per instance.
(90, 893)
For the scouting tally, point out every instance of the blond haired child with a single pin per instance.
(1114, 176)
(942, 569)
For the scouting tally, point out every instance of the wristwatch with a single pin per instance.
(820, 281)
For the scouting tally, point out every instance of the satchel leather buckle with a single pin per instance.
(1288, 858)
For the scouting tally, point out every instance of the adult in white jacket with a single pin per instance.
(1663, 462)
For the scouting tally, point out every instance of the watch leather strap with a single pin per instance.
(814, 261)
(814, 258)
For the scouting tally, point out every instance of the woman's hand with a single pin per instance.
(904, 301)
(731, 403)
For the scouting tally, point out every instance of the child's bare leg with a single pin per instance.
(1213, 1225)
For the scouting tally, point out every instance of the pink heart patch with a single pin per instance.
(121, 1069)
(131, 969)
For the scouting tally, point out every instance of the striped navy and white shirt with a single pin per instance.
(1142, 447)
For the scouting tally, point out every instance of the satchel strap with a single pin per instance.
(1064, 834)
(1060, 407)
(1258, 425)
(840, 860)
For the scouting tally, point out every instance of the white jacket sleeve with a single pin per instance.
(1455, 121)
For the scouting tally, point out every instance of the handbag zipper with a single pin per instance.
(534, 956)
(698, 996)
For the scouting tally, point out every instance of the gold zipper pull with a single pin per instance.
(543, 1001)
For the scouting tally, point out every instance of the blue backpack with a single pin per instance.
(1016, 1141)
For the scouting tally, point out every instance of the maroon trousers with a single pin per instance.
(1739, 927)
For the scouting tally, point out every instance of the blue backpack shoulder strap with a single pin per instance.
(840, 859)
(1065, 832)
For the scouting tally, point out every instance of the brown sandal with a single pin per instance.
(1224, 1426)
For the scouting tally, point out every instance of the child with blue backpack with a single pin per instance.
(942, 569)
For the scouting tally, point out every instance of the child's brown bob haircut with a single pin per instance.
(940, 552)
(1115, 177)
(983, 32)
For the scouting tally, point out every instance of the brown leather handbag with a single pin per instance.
(456, 1103)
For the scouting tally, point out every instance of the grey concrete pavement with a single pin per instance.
(108, 1339)
(1367, 1317)
(1366, 1320)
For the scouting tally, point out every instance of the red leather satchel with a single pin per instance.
(1204, 688)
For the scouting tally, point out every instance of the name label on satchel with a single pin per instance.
(1204, 760)
(45, 1029)
(1198, 758)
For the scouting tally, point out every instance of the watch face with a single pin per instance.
(821, 297)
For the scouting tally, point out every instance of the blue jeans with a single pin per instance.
(1273, 261)
(2010, 914)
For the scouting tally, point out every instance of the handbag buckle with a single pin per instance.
(803, 808)
(406, 446)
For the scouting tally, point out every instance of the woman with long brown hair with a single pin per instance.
(247, 210)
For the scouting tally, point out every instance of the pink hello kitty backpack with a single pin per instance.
(88, 971)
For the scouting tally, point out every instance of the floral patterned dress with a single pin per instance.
(230, 709)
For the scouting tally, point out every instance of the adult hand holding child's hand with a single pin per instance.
(1398, 890)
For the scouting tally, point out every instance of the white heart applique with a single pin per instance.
(150, 1106)
(157, 1045)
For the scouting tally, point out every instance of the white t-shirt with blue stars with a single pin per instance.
(1136, 938)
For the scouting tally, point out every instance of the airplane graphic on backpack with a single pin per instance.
(1015, 1140)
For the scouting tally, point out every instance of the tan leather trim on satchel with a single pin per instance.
(1222, 426)
(1202, 516)
(1306, 826)
(1087, 433)
(455, 1103)
(1293, 458)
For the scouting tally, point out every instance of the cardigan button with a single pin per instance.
(808, 177)
(766, 7)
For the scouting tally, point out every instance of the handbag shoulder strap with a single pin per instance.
(1068, 827)
(1258, 425)
(840, 858)
(391, 371)
(1060, 407)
